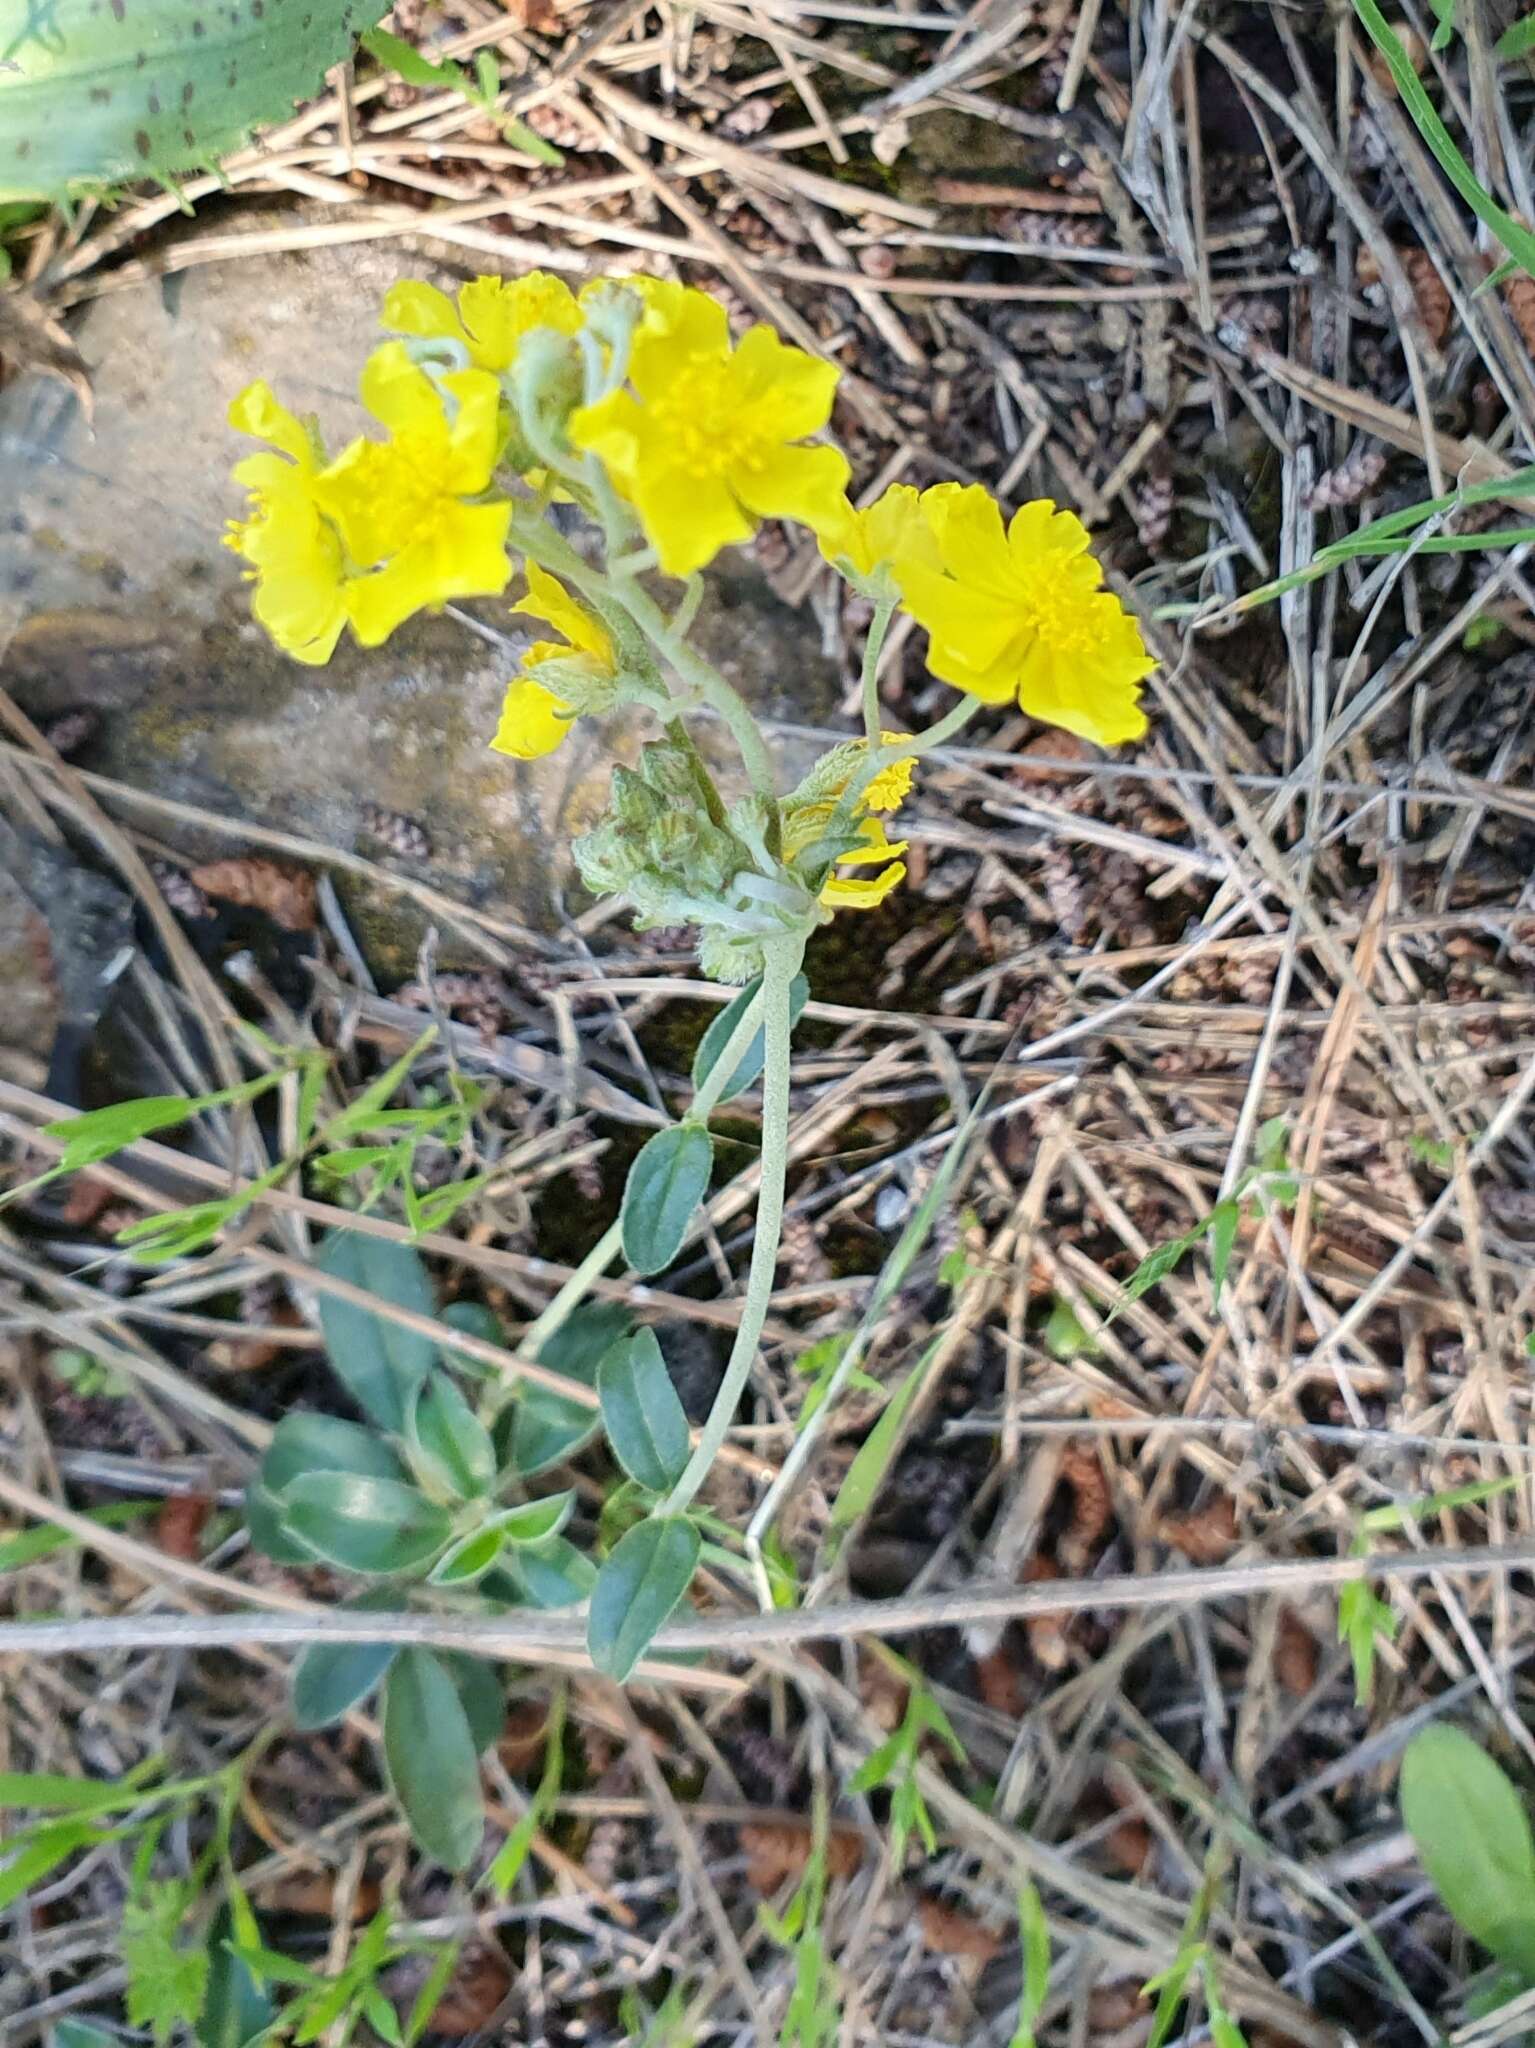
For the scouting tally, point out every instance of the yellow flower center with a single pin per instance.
(700, 416)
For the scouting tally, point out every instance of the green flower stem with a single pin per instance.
(779, 969)
(702, 677)
(873, 646)
(607, 1247)
(881, 758)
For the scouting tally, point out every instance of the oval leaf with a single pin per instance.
(449, 1445)
(555, 1575)
(1473, 1838)
(381, 1363)
(432, 1761)
(712, 1045)
(641, 1412)
(637, 1589)
(468, 1560)
(480, 1693)
(547, 1429)
(329, 1678)
(666, 1183)
(536, 1521)
(363, 1524)
(475, 1320)
(325, 1443)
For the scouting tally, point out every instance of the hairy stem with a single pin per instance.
(606, 1249)
(873, 646)
(702, 677)
(781, 966)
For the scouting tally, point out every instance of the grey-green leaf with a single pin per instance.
(548, 1429)
(382, 1363)
(449, 1445)
(305, 1443)
(80, 2034)
(714, 1041)
(330, 1678)
(363, 1524)
(432, 1760)
(535, 1522)
(641, 1412)
(480, 1693)
(1473, 1838)
(637, 1589)
(668, 1180)
(555, 1575)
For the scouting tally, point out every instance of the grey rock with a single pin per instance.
(123, 599)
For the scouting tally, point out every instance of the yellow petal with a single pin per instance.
(498, 311)
(475, 435)
(411, 307)
(972, 543)
(687, 519)
(1040, 528)
(806, 484)
(969, 628)
(863, 894)
(533, 721)
(400, 395)
(610, 430)
(360, 491)
(891, 787)
(256, 410)
(548, 599)
(462, 554)
(674, 328)
(792, 390)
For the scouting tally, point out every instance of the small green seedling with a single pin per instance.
(894, 1763)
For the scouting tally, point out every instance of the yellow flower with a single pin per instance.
(404, 506)
(891, 787)
(492, 315)
(1022, 614)
(704, 444)
(805, 824)
(296, 555)
(891, 530)
(534, 718)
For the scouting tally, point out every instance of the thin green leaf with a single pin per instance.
(1400, 1513)
(429, 1996)
(237, 2009)
(637, 1589)
(668, 1180)
(44, 1850)
(1517, 240)
(1034, 1936)
(643, 1417)
(99, 1133)
(1517, 40)
(407, 61)
(431, 1757)
(866, 1474)
(1225, 1220)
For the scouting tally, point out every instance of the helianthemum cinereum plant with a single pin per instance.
(630, 402)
